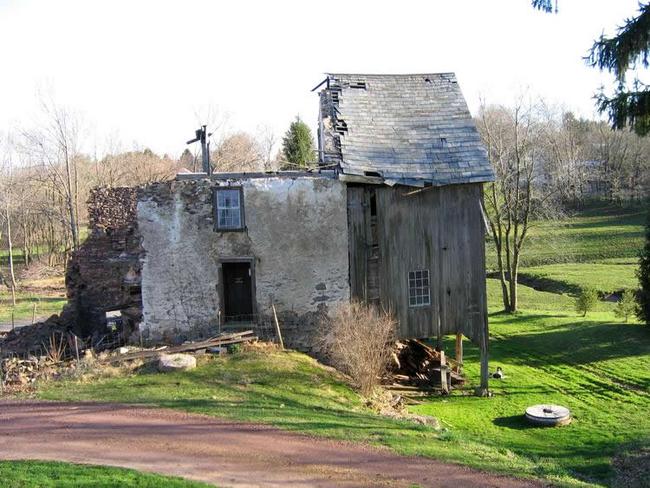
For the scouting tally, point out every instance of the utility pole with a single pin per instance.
(202, 135)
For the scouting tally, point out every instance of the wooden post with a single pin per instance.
(277, 327)
(76, 348)
(459, 353)
(483, 390)
(33, 312)
(443, 373)
(13, 325)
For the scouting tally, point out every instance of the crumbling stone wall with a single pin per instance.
(296, 234)
(104, 274)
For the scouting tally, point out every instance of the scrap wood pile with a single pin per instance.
(18, 374)
(208, 345)
(418, 368)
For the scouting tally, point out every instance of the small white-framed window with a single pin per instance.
(229, 208)
(419, 288)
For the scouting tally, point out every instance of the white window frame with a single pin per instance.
(238, 210)
(419, 288)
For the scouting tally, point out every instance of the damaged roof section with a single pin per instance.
(405, 129)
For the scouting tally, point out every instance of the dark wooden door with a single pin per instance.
(237, 291)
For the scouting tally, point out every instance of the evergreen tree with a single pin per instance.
(626, 306)
(643, 274)
(629, 106)
(298, 146)
(586, 301)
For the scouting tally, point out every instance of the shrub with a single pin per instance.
(358, 341)
(586, 301)
(643, 273)
(626, 306)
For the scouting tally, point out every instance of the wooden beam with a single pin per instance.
(483, 390)
(444, 385)
(277, 327)
(459, 353)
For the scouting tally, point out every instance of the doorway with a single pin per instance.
(237, 291)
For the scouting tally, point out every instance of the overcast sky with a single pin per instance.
(143, 70)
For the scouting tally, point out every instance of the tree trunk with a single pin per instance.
(502, 274)
(25, 243)
(12, 275)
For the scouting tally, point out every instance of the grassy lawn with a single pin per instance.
(48, 294)
(605, 277)
(41, 474)
(597, 367)
(600, 232)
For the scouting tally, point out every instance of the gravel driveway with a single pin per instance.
(222, 452)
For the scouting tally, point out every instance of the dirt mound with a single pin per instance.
(31, 339)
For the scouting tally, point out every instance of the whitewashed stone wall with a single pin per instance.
(296, 231)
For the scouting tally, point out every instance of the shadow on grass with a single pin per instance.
(573, 343)
(517, 422)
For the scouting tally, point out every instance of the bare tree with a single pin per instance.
(238, 152)
(267, 140)
(512, 137)
(54, 145)
(7, 190)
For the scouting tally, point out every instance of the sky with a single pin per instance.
(146, 73)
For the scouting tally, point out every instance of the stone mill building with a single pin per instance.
(391, 216)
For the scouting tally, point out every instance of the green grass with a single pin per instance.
(48, 294)
(596, 366)
(45, 305)
(600, 369)
(41, 474)
(600, 232)
(605, 277)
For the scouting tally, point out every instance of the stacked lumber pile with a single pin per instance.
(419, 368)
(221, 340)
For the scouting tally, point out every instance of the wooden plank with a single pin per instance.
(440, 230)
(459, 353)
(277, 327)
(225, 339)
(357, 243)
(444, 385)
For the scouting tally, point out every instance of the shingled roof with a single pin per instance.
(407, 129)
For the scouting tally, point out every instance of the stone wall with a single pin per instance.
(104, 274)
(296, 236)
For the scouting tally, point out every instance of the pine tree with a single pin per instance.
(643, 273)
(586, 301)
(298, 146)
(629, 106)
(626, 306)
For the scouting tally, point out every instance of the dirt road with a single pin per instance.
(222, 452)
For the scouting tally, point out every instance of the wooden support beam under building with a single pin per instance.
(459, 353)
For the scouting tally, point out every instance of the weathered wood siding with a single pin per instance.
(357, 242)
(440, 229)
